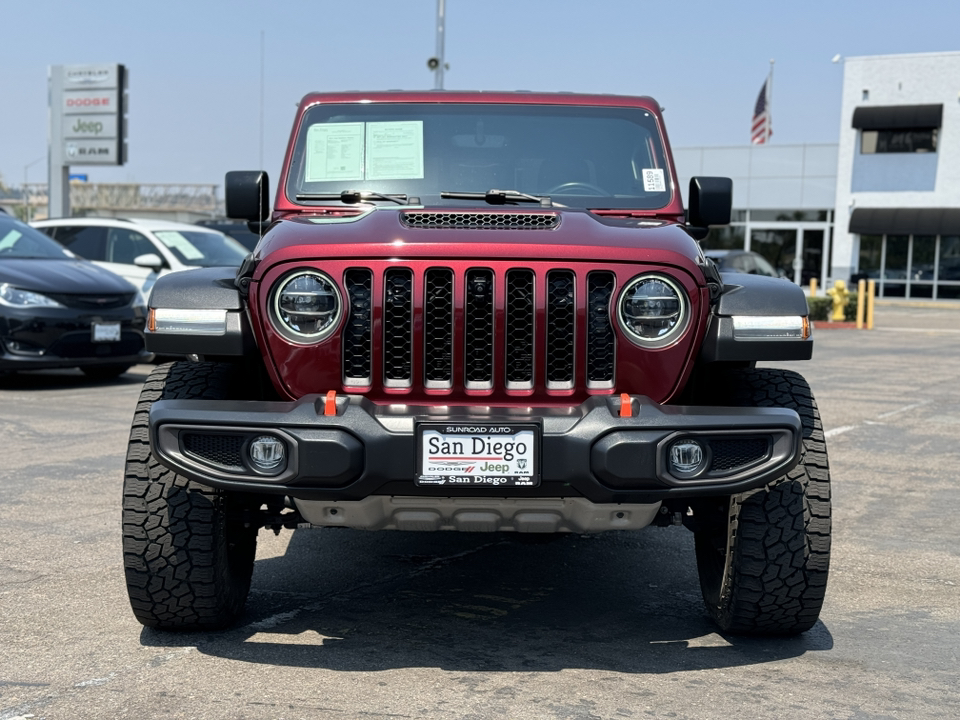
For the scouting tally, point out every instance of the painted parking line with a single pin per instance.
(833, 432)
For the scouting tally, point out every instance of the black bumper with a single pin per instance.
(43, 338)
(366, 449)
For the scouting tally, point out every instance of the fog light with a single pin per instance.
(266, 453)
(686, 456)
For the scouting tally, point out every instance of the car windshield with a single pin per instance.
(592, 157)
(201, 248)
(18, 240)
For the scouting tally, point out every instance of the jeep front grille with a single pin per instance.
(398, 328)
(511, 328)
(357, 333)
(438, 328)
(520, 322)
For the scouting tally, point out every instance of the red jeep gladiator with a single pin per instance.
(483, 312)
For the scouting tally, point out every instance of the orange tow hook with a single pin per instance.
(626, 405)
(330, 404)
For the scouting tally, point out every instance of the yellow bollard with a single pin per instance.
(840, 294)
(861, 292)
(871, 291)
(813, 287)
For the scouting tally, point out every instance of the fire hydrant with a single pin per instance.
(840, 295)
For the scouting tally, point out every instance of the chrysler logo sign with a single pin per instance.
(88, 76)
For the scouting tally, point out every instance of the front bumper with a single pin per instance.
(365, 449)
(41, 338)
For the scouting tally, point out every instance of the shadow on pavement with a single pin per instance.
(358, 602)
(66, 379)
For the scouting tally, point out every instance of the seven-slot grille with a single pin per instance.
(526, 351)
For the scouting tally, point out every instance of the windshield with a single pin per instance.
(593, 157)
(202, 249)
(18, 240)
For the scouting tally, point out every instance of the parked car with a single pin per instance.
(412, 348)
(59, 311)
(742, 261)
(237, 229)
(142, 250)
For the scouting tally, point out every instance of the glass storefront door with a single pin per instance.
(795, 250)
(778, 246)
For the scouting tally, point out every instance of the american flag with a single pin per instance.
(762, 128)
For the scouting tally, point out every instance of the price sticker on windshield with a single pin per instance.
(653, 180)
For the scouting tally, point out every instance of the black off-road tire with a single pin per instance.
(188, 559)
(763, 556)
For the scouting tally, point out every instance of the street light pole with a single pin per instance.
(26, 202)
(438, 72)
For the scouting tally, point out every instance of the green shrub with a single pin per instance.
(821, 307)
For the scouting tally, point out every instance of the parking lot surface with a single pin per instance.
(346, 624)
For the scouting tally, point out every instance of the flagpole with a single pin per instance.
(770, 102)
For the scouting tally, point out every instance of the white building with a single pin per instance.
(898, 174)
(888, 193)
(783, 199)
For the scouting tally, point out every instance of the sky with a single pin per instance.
(195, 66)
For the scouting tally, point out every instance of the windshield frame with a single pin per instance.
(616, 108)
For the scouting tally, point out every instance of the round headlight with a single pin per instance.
(306, 306)
(652, 310)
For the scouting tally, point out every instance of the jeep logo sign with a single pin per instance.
(89, 126)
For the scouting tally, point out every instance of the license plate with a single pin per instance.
(106, 332)
(478, 455)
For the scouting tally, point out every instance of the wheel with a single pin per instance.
(104, 372)
(763, 556)
(565, 189)
(187, 557)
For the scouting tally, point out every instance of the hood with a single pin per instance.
(73, 277)
(494, 234)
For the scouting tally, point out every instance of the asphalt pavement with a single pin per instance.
(348, 624)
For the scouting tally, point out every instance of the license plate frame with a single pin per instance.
(462, 469)
(105, 332)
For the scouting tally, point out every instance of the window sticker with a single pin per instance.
(394, 150)
(334, 152)
(10, 239)
(653, 180)
(176, 241)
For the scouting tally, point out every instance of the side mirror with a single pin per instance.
(247, 195)
(151, 261)
(710, 202)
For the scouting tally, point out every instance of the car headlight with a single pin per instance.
(653, 310)
(15, 297)
(306, 306)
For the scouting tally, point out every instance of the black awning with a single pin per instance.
(905, 221)
(893, 117)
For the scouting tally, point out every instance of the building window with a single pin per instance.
(902, 140)
(726, 237)
(918, 266)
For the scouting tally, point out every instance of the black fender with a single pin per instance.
(212, 288)
(755, 296)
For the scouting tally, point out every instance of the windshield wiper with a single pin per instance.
(499, 197)
(352, 197)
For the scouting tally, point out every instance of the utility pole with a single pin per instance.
(24, 192)
(437, 63)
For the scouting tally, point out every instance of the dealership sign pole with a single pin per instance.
(88, 124)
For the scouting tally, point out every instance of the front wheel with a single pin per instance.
(187, 556)
(763, 556)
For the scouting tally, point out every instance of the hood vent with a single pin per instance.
(481, 220)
